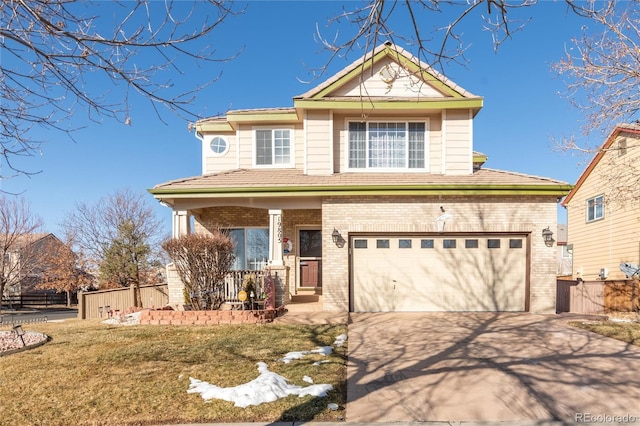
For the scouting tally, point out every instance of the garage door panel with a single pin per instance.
(429, 277)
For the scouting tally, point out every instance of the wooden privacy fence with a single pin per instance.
(596, 297)
(95, 304)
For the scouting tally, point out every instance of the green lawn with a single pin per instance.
(96, 374)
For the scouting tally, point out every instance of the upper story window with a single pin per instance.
(219, 145)
(273, 147)
(595, 208)
(388, 145)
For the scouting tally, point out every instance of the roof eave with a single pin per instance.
(474, 104)
(557, 190)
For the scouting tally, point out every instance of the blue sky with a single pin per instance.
(522, 110)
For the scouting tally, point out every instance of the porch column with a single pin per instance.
(181, 223)
(275, 237)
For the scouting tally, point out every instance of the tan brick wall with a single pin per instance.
(227, 217)
(527, 215)
(418, 214)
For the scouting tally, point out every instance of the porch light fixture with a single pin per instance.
(335, 236)
(19, 332)
(547, 236)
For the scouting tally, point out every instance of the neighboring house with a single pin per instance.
(368, 190)
(26, 261)
(603, 208)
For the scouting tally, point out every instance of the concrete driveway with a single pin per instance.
(488, 367)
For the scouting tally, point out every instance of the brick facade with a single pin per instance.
(527, 215)
(413, 214)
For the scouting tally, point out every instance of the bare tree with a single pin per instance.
(61, 56)
(202, 262)
(19, 230)
(98, 230)
(602, 69)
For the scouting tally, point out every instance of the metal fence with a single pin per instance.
(19, 301)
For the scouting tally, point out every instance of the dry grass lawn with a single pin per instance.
(96, 374)
(628, 331)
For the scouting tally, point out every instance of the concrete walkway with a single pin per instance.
(483, 367)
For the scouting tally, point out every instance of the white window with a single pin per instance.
(219, 145)
(388, 145)
(595, 208)
(251, 247)
(273, 147)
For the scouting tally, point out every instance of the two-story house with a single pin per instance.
(368, 189)
(602, 208)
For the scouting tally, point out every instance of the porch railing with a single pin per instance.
(235, 282)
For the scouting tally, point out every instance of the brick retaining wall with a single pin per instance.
(166, 317)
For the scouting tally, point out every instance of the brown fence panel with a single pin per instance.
(563, 295)
(585, 297)
(622, 296)
(102, 303)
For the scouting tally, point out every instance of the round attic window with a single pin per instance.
(219, 145)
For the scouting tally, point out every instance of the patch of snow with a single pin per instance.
(322, 350)
(129, 319)
(267, 387)
(307, 379)
(340, 340)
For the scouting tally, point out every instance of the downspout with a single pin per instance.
(200, 137)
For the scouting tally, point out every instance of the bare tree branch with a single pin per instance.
(602, 68)
(61, 56)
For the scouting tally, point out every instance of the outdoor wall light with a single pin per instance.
(19, 332)
(335, 236)
(547, 236)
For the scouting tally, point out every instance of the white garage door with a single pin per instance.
(443, 273)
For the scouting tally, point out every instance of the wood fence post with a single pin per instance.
(81, 305)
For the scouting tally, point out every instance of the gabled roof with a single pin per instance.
(617, 130)
(432, 91)
(398, 55)
(293, 182)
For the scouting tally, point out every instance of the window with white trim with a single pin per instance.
(273, 147)
(595, 208)
(387, 145)
(251, 247)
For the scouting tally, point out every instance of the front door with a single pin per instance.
(310, 255)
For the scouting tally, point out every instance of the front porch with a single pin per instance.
(285, 243)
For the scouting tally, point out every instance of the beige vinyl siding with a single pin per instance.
(213, 163)
(245, 143)
(459, 142)
(612, 240)
(318, 138)
(371, 83)
(435, 144)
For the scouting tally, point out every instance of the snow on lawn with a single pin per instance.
(268, 386)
